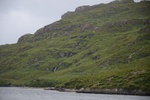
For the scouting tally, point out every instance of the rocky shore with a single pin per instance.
(61, 89)
(103, 91)
(114, 91)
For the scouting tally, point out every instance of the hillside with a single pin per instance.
(105, 46)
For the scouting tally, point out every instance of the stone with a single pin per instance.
(55, 69)
(85, 27)
(66, 14)
(24, 38)
(46, 29)
(82, 8)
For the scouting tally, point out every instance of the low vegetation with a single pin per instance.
(97, 47)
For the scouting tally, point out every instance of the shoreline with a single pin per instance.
(93, 91)
(102, 91)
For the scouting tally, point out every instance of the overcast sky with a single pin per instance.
(18, 17)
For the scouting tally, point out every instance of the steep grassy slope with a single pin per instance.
(101, 46)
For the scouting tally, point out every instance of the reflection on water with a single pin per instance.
(15, 93)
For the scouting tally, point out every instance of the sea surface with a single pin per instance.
(19, 93)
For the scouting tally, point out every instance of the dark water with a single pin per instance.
(15, 93)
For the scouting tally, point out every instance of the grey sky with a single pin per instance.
(18, 17)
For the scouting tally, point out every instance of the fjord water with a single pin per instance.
(18, 93)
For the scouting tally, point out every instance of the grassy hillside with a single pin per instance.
(98, 47)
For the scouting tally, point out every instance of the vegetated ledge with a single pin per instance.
(103, 91)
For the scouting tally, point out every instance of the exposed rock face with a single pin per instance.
(82, 8)
(78, 9)
(66, 54)
(85, 27)
(126, 1)
(66, 14)
(24, 38)
(47, 28)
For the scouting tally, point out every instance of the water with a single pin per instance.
(18, 93)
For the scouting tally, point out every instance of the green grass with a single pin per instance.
(103, 47)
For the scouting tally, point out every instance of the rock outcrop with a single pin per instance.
(77, 10)
(25, 38)
(47, 28)
(125, 1)
(82, 8)
(66, 14)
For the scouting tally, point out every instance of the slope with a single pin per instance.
(97, 47)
